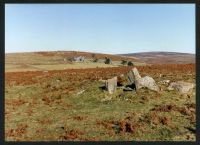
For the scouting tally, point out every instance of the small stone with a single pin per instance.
(81, 92)
(164, 82)
(107, 98)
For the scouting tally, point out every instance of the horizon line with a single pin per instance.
(99, 52)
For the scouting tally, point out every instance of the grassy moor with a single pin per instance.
(49, 97)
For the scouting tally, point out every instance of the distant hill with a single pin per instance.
(163, 57)
(58, 56)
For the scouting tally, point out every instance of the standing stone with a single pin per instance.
(130, 77)
(133, 75)
(111, 85)
(181, 87)
(136, 73)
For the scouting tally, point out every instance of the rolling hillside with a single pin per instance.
(164, 57)
(59, 60)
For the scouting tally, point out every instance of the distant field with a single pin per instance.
(44, 61)
(46, 67)
(53, 57)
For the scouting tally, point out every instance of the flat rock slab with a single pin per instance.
(181, 87)
(111, 85)
(147, 82)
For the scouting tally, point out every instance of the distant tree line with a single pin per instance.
(125, 62)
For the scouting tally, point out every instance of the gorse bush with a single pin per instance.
(130, 63)
(124, 62)
(107, 60)
(96, 60)
(93, 55)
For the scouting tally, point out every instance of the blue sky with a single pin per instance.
(103, 28)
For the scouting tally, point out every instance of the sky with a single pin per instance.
(102, 28)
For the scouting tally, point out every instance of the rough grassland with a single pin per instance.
(68, 105)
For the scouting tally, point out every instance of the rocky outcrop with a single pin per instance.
(134, 77)
(131, 78)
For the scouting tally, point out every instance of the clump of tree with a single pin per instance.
(71, 59)
(130, 63)
(107, 60)
(96, 60)
(93, 55)
(124, 62)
